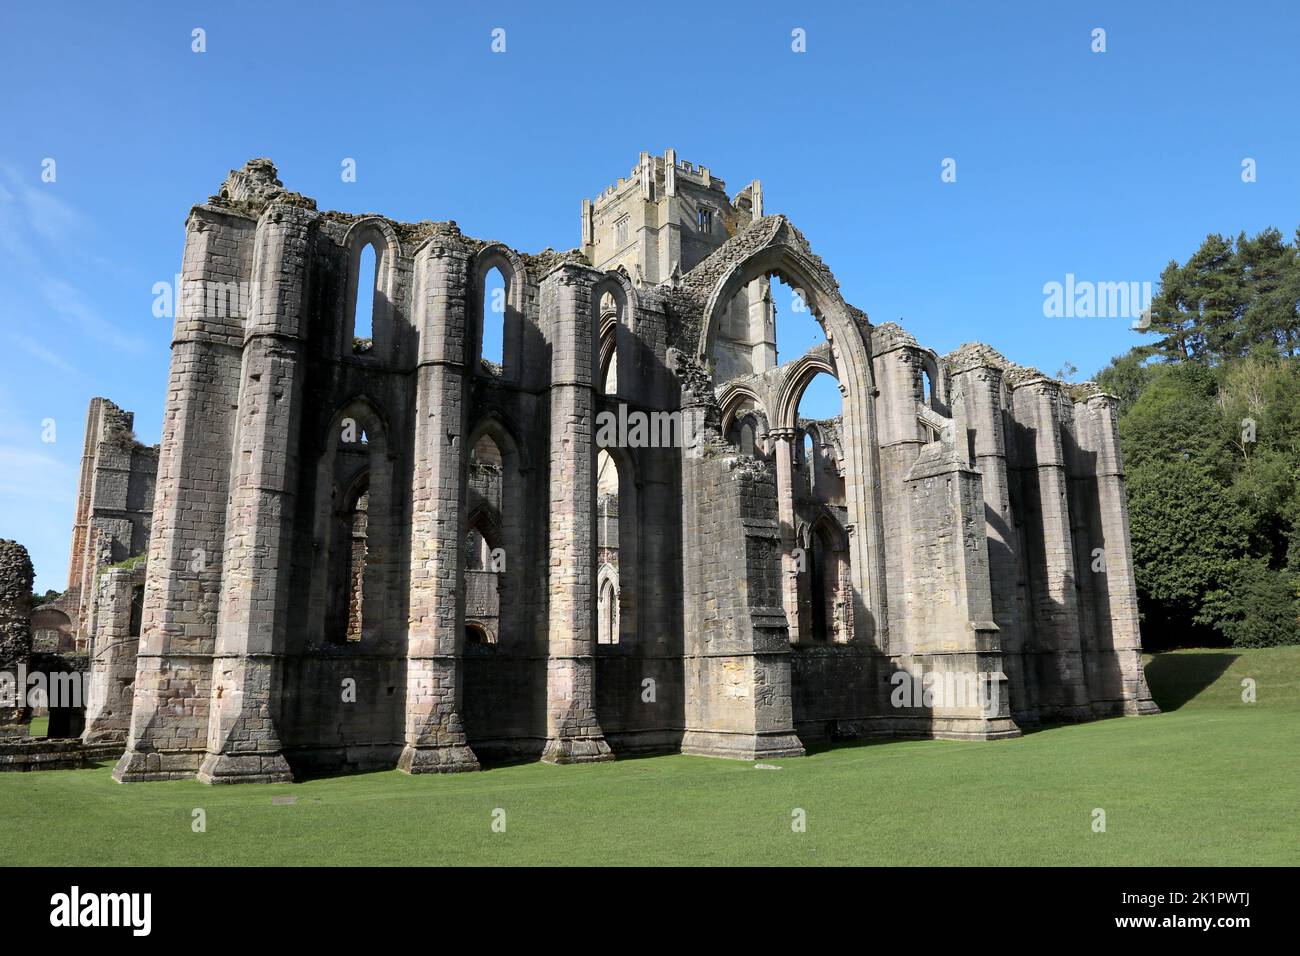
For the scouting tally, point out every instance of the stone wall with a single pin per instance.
(112, 665)
(280, 637)
(1064, 595)
(114, 509)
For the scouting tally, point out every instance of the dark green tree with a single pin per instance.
(1270, 281)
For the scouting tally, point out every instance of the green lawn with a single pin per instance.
(1211, 781)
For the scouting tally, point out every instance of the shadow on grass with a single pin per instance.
(487, 763)
(827, 746)
(1175, 679)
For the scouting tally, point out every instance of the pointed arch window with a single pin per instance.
(366, 325)
(363, 315)
(495, 296)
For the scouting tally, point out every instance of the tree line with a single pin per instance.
(1210, 433)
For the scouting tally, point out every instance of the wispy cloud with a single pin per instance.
(34, 476)
(50, 216)
(39, 351)
(34, 220)
(68, 301)
(27, 211)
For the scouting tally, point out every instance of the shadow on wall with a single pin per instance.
(1175, 679)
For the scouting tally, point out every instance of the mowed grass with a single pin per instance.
(1212, 781)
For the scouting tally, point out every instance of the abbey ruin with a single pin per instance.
(365, 548)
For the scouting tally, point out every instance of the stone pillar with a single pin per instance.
(737, 650)
(573, 734)
(949, 603)
(81, 520)
(242, 743)
(1054, 652)
(1116, 681)
(435, 733)
(978, 410)
(169, 718)
(103, 533)
(112, 665)
(16, 578)
(784, 446)
(896, 363)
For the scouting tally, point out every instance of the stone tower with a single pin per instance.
(665, 218)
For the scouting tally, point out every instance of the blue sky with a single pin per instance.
(1104, 165)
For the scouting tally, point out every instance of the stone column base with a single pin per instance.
(138, 766)
(1127, 707)
(576, 750)
(448, 758)
(741, 746)
(1144, 707)
(973, 728)
(245, 768)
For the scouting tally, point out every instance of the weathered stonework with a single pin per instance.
(115, 495)
(373, 548)
(109, 694)
(16, 578)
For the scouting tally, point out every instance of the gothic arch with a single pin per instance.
(730, 398)
(608, 606)
(336, 483)
(615, 341)
(515, 276)
(629, 542)
(937, 399)
(797, 378)
(827, 556)
(379, 234)
(502, 430)
(503, 523)
(786, 255)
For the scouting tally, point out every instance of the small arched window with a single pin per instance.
(607, 616)
(363, 316)
(495, 300)
(477, 634)
(612, 316)
(609, 317)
